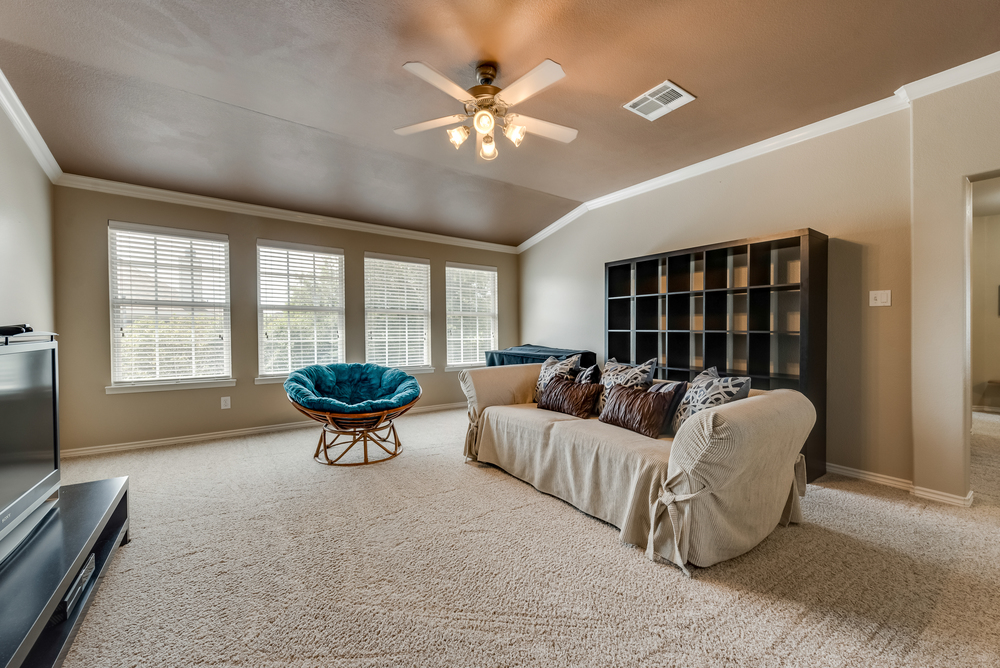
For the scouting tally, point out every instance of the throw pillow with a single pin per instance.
(675, 390)
(592, 374)
(563, 395)
(552, 368)
(628, 375)
(636, 409)
(708, 390)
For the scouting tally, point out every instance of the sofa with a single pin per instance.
(728, 477)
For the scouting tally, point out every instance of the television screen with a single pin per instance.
(27, 424)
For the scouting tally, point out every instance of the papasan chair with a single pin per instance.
(356, 403)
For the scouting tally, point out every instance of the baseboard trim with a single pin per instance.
(214, 435)
(899, 483)
(943, 497)
(985, 409)
(868, 476)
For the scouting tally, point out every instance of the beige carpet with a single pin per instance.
(246, 553)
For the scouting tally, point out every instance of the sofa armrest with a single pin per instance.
(495, 386)
(740, 461)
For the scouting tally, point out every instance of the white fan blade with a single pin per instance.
(533, 82)
(438, 80)
(544, 128)
(430, 125)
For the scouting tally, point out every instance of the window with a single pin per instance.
(472, 313)
(169, 304)
(300, 306)
(397, 311)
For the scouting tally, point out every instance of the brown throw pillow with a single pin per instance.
(563, 395)
(636, 409)
(676, 391)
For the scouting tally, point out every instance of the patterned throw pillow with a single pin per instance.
(708, 390)
(589, 376)
(553, 367)
(628, 375)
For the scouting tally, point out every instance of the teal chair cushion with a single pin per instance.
(351, 388)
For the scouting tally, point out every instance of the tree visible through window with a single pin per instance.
(300, 306)
(472, 313)
(397, 311)
(169, 304)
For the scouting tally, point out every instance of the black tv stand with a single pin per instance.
(91, 517)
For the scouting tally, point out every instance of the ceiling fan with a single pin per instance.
(488, 106)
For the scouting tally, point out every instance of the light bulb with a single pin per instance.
(483, 120)
(515, 133)
(489, 149)
(458, 135)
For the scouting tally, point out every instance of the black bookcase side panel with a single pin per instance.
(679, 273)
(813, 337)
(620, 280)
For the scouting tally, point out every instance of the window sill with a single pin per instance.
(269, 380)
(462, 367)
(415, 370)
(169, 385)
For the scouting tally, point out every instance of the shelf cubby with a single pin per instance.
(679, 273)
(649, 277)
(752, 307)
(619, 314)
(620, 346)
(650, 312)
(650, 345)
(679, 311)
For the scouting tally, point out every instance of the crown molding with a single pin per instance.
(25, 127)
(204, 202)
(899, 101)
(956, 76)
(554, 227)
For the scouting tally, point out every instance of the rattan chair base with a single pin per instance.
(349, 429)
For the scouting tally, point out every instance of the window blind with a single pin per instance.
(471, 295)
(169, 304)
(397, 311)
(300, 307)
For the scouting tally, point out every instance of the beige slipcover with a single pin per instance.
(728, 478)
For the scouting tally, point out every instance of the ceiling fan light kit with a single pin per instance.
(487, 106)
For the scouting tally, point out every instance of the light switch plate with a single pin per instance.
(880, 298)
(226, 403)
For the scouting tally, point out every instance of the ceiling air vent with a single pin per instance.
(660, 100)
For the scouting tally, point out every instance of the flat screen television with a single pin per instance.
(29, 437)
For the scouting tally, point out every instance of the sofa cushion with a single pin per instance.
(566, 396)
(708, 390)
(552, 368)
(637, 410)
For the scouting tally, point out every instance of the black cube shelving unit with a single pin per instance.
(752, 307)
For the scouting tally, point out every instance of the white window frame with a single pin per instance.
(266, 378)
(421, 368)
(494, 314)
(164, 384)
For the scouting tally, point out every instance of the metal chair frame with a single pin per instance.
(352, 428)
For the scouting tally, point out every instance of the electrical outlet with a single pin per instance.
(226, 403)
(880, 298)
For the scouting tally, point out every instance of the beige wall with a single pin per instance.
(956, 135)
(25, 234)
(985, 316)
(90, 417)
(852, 185)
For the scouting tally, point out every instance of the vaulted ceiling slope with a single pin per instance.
(292, 104)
